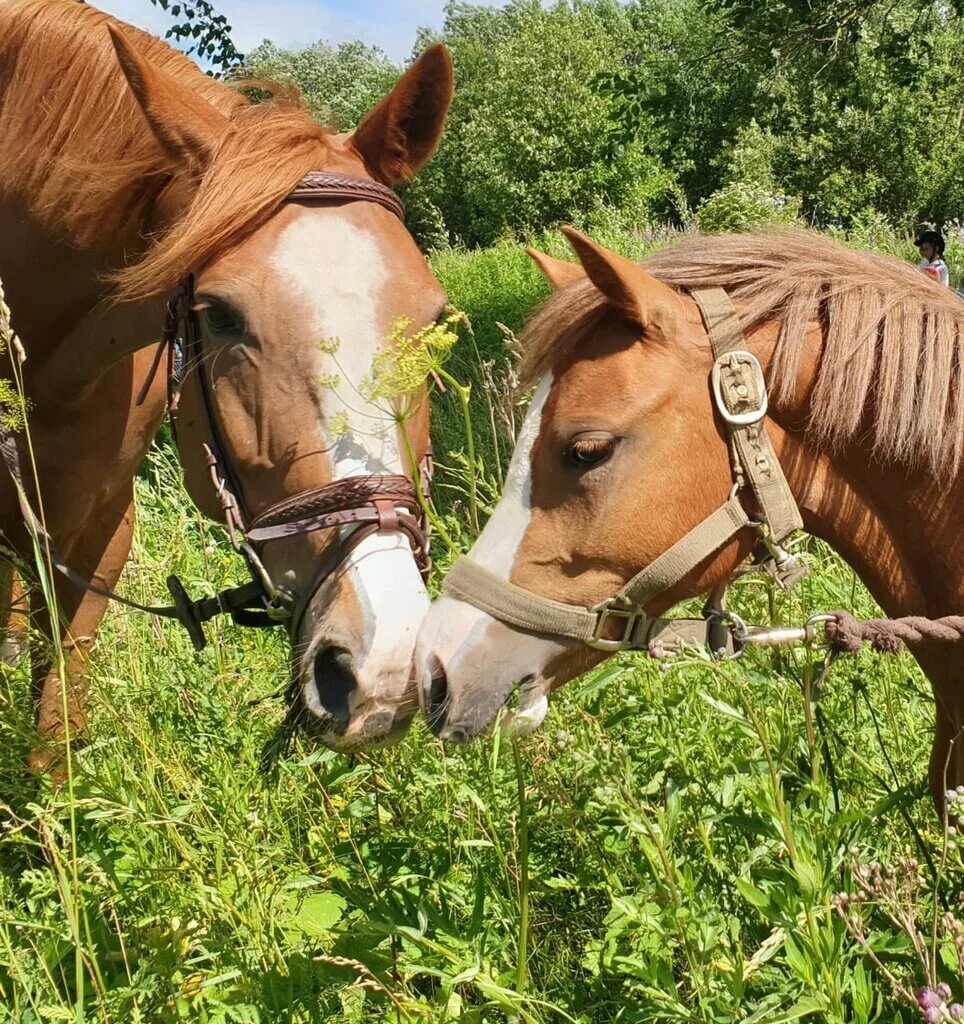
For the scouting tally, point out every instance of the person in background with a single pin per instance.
(930, 242)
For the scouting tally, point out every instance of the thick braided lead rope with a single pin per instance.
(888, 636)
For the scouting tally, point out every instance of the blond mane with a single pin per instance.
(76, 147)
(893, 357)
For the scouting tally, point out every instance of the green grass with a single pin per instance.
(684, 839)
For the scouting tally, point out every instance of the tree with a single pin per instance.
(528, 141)
(210, 32)
(857, 104)
(340, 83)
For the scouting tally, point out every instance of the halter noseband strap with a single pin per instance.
(620, 623)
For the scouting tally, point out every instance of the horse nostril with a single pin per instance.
(335, 682)
(437, 706)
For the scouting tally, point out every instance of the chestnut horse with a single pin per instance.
(624, 450)
(124, 168)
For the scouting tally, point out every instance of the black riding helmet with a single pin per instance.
(931, 235)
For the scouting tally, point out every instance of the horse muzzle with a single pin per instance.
(354, 646)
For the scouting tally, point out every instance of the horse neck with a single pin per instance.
(60, 305)
(897, 527)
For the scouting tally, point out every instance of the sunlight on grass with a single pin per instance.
(681, 847)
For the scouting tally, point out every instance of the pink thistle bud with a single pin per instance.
(928, 999)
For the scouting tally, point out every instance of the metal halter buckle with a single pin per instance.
(737, 628)
(734, 361)
(606, 611)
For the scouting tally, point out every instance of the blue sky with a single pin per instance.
(390, 24)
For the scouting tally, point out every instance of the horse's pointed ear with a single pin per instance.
(559, 273)
(186, 126)
(401, 133)
(627, 287)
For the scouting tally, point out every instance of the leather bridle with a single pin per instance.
(620, 622)
(359, 506)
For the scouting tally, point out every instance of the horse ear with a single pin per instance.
(186, 126)
(401, 133)
(627, 287)
(559, 273)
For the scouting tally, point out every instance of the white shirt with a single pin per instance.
(930, 266)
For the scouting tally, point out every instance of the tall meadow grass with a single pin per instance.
(668, 847)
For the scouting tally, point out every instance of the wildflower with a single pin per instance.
(329, 346)
(402, 366)
(841, 902)
(330, 381)
(338, 424)
(11, 407)
(933, 1004)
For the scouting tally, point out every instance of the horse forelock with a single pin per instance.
(893, 341)
(77, 147)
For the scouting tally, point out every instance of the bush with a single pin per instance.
(743, 206)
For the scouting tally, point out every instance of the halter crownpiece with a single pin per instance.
(740, 397)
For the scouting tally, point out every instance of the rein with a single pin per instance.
(362, 505)
(620, 623)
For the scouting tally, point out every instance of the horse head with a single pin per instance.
(620, 455)
(290, 315)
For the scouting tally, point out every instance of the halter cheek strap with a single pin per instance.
(620, 623)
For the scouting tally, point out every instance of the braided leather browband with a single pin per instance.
(329, 186)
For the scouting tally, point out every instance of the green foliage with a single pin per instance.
(656, 108)
(340, 83)
(742, 206)
(528, 141)
(750, 199)
(860, 109)
(202, 32)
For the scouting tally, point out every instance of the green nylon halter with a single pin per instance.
(739, 393)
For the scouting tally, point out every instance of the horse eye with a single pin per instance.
(223, 320)
(591, 448)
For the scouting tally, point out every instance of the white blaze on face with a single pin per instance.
(340, 276)
(453, 628)
(499, 542)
